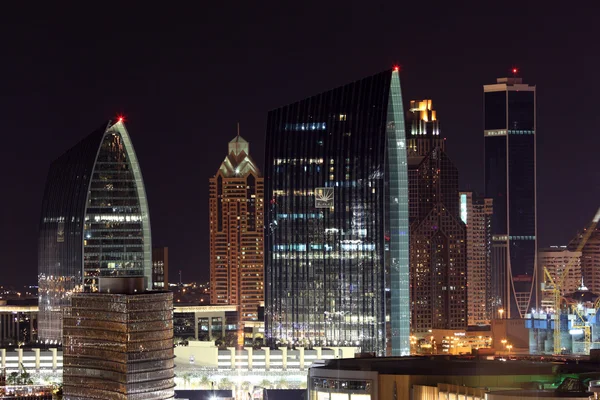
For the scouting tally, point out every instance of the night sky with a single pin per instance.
(184, 77)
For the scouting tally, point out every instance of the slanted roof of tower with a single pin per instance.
(238, 162)
(239, 144)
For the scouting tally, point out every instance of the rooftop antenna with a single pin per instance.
(237, 142)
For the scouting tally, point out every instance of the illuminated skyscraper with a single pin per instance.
(438, 257)
(236, 232)
(510, 180)
(337, 218)
(95, 222)
(476, 213)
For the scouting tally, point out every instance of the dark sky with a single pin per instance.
(184, 76)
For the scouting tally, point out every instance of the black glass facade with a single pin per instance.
(335, 176)
(510, 179)
(94, 222)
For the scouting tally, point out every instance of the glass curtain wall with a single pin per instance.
(116, 233)
(326, 221)
(60, 250)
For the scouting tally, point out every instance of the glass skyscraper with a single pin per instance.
(510, 180)
(95, 222)
(337, 219)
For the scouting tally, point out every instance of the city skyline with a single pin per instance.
(65, 84)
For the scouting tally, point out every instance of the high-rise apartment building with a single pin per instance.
(236, 232)
(438, 255)
(510, 180)
(590, 259)
(337, 218)
(476, 213)
(160, 268)
(95, 222)
(118, 343)
(557, 260)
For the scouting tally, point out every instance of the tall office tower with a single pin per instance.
(510, 179)
(95, 222)
(236, 232)
(438, 254)
(160, 268)
(590, 259)
(337, 218)
(476, 213)
(118, 343)
(556, 260)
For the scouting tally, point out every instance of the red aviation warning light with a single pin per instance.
(515, 71)
(120, 118)
(396, 68)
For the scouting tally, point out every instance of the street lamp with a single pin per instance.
(509, 346)
(501, 311)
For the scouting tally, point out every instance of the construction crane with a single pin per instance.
(555, 286)
(581, 323)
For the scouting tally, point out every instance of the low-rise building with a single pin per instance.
(18, 321)
(443, 377)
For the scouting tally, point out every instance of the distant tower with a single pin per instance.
(160, 268)
(438, 259)
(476, 213)
(236, 232)
(95, 222)
(118, 343)
(510, 179)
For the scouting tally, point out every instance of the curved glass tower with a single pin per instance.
(95, 222)
(337, 219)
